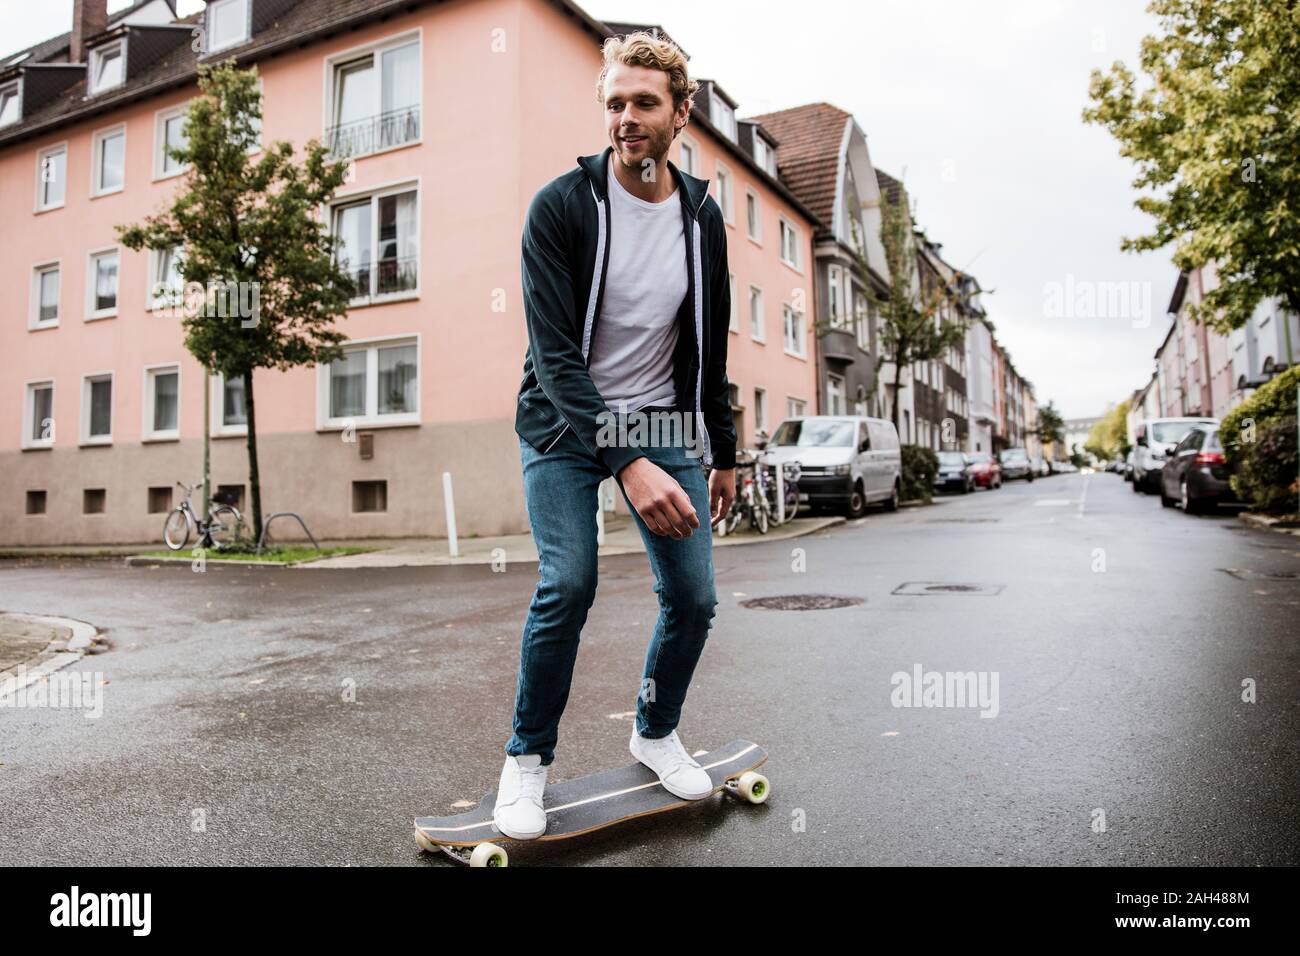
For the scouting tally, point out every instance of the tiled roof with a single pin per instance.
(56, 48)
(808, 153)
(890, 187)
(306, 21)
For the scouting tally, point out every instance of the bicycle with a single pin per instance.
(217, 532)
(751, 503)
(792, 473)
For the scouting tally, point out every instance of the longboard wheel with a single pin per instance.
(488, 854)
(754, 787)
(425, 843)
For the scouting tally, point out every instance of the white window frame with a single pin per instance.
(34, 315)
(374, 194)
(862, 320)
(833, 408)
(92, 274)
(160, 303)
(796, 323)
(693, 148)
(723, 115)
(760, 326)
(96, 58)
(760, 408)
(215, 5)
(218, 426)
(795, 407)
(147, 433)
(787, 227)
(835, 293)
(756, 234)
(725, 197)
(16, 90)
(87, 381)
(375, 49)
(29, 408)
(160, 119)
(371, 419)
(96, 169)
(41, 157)
(733, 320)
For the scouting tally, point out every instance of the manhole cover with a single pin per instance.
(801, 602)
(941, 587)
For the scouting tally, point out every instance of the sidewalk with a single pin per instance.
(44, 643)
(621, 537)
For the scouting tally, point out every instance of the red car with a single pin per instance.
(986, 471)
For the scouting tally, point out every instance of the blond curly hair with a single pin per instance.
(642, 49)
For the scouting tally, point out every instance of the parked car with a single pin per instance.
(954, 473)
(1015, 464)
(1128, 467)
(1195, 475)
(845, 461)
(986, 471)
(1041, 468)
(1156, 438)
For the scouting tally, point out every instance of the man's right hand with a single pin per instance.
(658, 498)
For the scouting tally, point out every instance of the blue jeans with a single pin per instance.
(560, 488)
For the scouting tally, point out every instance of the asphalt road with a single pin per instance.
(1120, 634)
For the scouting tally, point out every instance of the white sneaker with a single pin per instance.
(519, 813)
(678, 770)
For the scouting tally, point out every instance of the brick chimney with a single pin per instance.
(89, 17)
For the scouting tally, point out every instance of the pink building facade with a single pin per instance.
(451, 135)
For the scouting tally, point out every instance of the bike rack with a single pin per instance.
(266, 526)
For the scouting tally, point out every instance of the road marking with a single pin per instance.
(1051, 502)
(1083, 497)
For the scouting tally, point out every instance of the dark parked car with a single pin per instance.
(1015, 464)
(1195, 475)
(986, 471)
(953, 474)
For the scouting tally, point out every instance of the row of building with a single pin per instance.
(1200, 372)
(450, 135)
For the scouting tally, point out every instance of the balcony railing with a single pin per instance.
(384, 277)
(374, 133)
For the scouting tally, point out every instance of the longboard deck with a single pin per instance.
(584, 804)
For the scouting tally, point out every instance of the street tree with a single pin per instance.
(1214, 134)
(250, 233)
(914, 324)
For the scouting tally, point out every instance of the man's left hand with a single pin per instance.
(722, 492)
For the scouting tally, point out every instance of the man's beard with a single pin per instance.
(654, 148)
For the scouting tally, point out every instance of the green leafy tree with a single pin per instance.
(250, 233)
(913, 327)
(1108, 438)
(1215, 137)
(1051, 426)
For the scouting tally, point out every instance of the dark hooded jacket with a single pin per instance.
(565, 249)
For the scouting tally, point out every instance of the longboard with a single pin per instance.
(590, 803)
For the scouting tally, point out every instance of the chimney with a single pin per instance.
(89, 17)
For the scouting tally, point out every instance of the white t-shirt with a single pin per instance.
(631, 358)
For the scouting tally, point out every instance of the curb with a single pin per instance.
(147, 561)
(47, 662)
(1269, 523)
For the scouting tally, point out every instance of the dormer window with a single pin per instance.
(107, 67)
(764, 155)
(11, 108)
(227, 22)
(722, 116)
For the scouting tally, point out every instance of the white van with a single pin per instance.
(1156, 438)
(845, 461)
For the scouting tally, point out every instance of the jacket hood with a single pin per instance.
(694, 189)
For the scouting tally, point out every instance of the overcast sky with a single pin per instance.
(976, 106)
